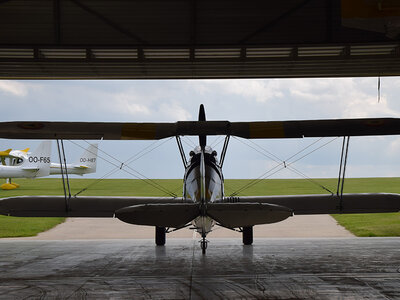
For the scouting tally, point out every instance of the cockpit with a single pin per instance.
(16, 161)
(213, 175)
(210, 155)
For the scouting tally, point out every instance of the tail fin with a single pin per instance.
(39, 160)
(88, 159)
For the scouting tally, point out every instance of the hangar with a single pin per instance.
(171, 39)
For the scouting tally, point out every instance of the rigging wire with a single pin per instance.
(310, 179)
(263, 152)
(217, 141)
(138, 156)
(286, 164)
(308, 153)
(304, 149)
(263, 176)
(189, 143)
(122, 166)
(258, 179)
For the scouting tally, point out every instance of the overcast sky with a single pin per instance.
(233, 100)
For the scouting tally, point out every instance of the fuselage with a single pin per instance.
(13, 168)
(203, 183)
(55, 169)
(16, 172)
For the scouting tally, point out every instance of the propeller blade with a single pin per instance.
(202, 118)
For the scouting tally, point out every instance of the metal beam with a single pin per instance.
(193, 30)
(272, 23)
(109, 22)
(57, 21)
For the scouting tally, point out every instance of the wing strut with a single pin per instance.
(181, 151)
(223, 153)
(342, 169)
(61, 155)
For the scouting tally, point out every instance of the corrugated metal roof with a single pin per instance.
(188, 39)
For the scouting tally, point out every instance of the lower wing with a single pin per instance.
(176, 212)
(329, 204)
(248, 211)
(156, 211)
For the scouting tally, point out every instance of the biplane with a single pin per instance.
(203, 203)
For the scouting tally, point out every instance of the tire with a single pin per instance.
(203, 245)
(160, 236)
(248, 235)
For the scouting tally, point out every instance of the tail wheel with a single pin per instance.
(248, 235)
(203, 245)
(160, 236)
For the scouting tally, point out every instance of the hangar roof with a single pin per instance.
(163, 39)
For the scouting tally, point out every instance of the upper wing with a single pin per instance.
(321, 128)
(5, 153)
(330, 204)
(149, 131)
(85, 130)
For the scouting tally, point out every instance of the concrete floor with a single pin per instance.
(304, 226)
(334, 268)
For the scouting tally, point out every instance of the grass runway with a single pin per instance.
(387, 224)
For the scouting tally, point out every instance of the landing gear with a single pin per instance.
(160, 236)
(248, 235)
(203, 245)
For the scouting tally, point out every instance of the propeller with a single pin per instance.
(202, 117)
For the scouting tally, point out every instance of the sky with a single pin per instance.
(233, 100)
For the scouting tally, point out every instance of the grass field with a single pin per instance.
(21, 227)
(361, 225)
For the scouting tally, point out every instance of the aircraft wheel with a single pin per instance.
(160, 236)
(203, 245)
(248, 235)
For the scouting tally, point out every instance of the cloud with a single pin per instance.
(252, 89)
(157, 106)
(319, 89)
(361, 100)
(338, 98)
(174, 111)
(301, 98)
(259, 90)
(368, 106)
(128, 104)
(392, 149)
(14, 88)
